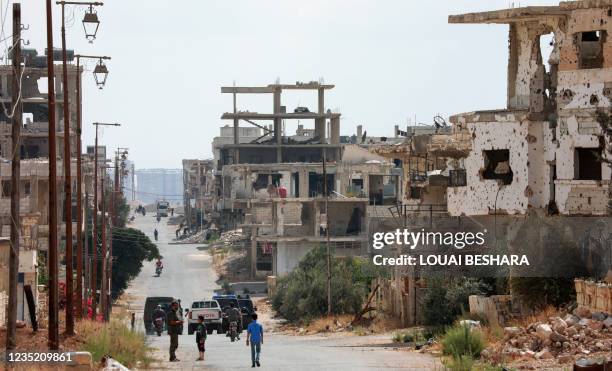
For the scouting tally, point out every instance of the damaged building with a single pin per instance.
(198, 185)
(544, 149)
(34, 168)
(274, 186)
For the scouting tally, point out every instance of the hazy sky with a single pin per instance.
(391, 60)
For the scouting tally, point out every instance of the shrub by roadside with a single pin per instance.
(117, 340)
(302, 294)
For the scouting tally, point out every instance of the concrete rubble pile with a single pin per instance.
(230, 238)
(198, 237)
(580, 334)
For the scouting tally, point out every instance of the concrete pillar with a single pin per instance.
(278, 125)
(395, 135)
(321, 100)
(236, 133)
(254, 253)
(359, 132)
(303, 184)
(320, 129)
(335, 130)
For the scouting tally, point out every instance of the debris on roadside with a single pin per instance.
(561, 339)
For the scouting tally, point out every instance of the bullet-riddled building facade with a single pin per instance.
(545, 149)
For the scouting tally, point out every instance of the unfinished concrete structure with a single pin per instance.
(198, 185)
(273, 187)
(35, 131)
(543, 150)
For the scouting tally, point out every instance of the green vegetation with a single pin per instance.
(447, 300)
(461, 341)
(302, 294)
(115, 339)
(130, 248)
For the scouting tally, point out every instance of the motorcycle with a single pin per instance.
(233, 330)
(158, 270)
(159, 325)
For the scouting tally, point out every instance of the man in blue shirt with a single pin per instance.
(255, 335)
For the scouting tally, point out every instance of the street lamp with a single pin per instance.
(67, 150)
(100, 74)
(79, 254)
(91, 24)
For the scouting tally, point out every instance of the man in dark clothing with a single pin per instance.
(234, 315)
(175, 324)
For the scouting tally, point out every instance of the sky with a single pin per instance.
(392, 62)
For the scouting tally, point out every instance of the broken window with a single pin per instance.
(316, 184)
(356, 188)
(415, 193)
(497, 165)
(6, 188)
(27, 189)
(457, 178)
(261, 182)
(264, 256)
(590, 49)
(547, 45)
(587, 165)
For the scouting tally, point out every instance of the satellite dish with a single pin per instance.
(439, 122)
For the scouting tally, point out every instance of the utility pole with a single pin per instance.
(11, 325)
(94, 232)
(52, 253)
(94, 266)
(79, 201)
(326, 193)
(67, 186)
(80, 213)
(85, 257)
(104, 283)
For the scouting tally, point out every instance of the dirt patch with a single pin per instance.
(30, 341)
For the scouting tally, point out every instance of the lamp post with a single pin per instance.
(79, 232)
(94, 246)
(67, 167)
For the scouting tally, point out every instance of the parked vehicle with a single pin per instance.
(210, 310)
(246, 309)
(225, 303)
(162, 208)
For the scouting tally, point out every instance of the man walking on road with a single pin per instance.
(255, 335)
(175, 324)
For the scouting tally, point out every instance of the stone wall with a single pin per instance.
(597, 297)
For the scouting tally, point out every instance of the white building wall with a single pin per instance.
(483, 196)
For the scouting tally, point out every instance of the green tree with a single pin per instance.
(131, 248)
(302, 294)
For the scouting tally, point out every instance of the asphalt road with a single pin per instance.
(188, 275)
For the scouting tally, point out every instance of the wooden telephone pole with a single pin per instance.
(52, 253)
(15, 180)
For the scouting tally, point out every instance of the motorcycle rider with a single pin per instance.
(155, 233)
(233, 315)
(159, 313)
(159, 265)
